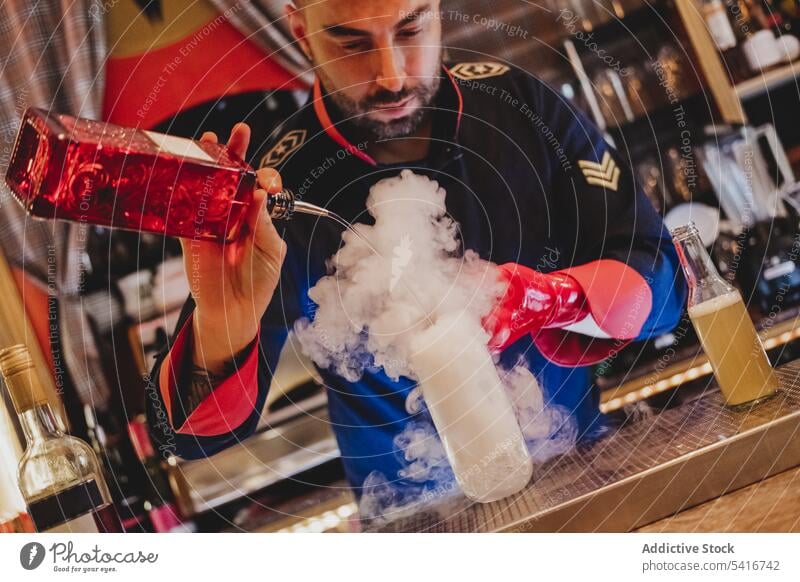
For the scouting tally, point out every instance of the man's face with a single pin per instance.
(379, 60)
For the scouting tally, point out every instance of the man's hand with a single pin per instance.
(232, 284)
(533, 301)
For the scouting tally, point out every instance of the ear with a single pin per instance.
(297, 24)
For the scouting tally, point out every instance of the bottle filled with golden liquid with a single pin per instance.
(723, 325)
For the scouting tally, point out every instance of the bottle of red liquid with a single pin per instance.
(94, 172)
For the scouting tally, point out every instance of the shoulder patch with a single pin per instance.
(605, 174)
(470, 71)
(287, 145)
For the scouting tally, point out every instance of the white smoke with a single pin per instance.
(390, 283)
(549, 430)
(390, 286)
(426, 476)
(638, 411)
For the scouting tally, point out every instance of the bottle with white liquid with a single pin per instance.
(59, 475)
(470, 409)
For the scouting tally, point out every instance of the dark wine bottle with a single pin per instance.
(159, 500)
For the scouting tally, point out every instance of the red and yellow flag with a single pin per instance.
(166, 57)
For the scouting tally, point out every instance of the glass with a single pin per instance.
(471, 411)
(162, 510)
(97, 173)
(724, 327)
(59, 475)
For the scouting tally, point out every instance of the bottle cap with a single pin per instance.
(16, 366)
(684, 231)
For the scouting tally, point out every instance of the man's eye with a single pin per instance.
(355, 46)
(409, 33)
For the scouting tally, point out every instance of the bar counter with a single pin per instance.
(696, 467)
(770, 506)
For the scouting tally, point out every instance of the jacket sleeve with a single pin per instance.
(614, 242)
(225, 417)
(231, 412)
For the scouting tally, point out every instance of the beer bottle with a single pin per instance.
(726, 332)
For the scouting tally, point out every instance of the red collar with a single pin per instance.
(336, 135)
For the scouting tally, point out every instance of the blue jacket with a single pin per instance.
(529, 179)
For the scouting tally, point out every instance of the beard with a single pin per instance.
(356, 113)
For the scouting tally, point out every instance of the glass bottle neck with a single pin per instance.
(39, 423)
(697, 265)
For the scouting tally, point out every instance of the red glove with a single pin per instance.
(533, 301)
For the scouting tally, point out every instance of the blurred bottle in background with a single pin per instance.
(13, 516)
(125, 478)
(60, 477)
(159, 501)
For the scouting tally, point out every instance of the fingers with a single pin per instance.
(257, 212)
(240, 139)
(270, 180)
(265, 236)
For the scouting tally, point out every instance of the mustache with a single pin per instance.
(385, 97)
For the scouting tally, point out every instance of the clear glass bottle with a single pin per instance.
(726, 332)
(59, 475)
(471, 410)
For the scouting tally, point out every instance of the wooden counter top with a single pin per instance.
(772, 505)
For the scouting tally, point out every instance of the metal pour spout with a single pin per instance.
(283, 205)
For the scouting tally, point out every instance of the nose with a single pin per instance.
(391, 73)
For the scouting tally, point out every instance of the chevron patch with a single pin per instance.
(472, 71)
(605, 174)
(287, 145)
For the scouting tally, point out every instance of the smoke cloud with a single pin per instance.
(395, 279)
(389, 284)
